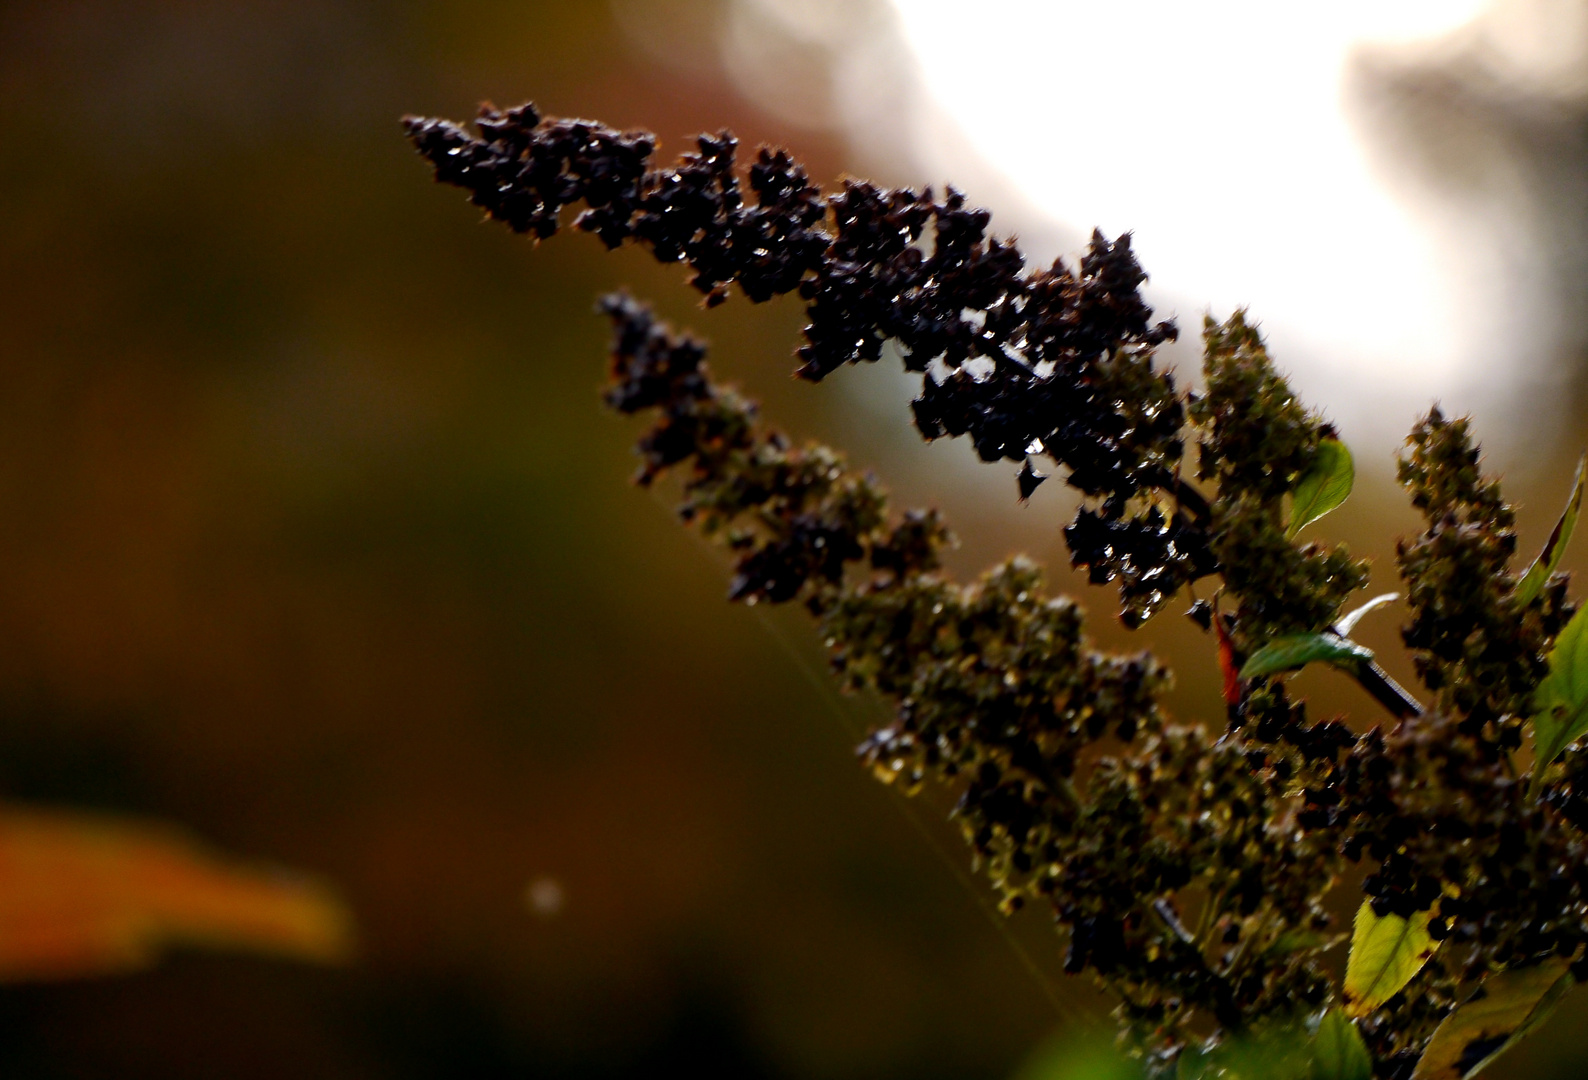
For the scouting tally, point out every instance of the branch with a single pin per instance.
(1387, 692)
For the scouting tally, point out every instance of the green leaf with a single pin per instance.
(1338, 1052)
(1499, 1014)
(1288, 1050)
(1323, 487)
(1299, 650)
(1548, 560)
(1346, 623)
(1560, 705)
(1386, 951)
(1281, 1052)
(1297, 939)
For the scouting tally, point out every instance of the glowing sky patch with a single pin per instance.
(1218, 132)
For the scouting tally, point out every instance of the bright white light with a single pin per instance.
(1216, 132)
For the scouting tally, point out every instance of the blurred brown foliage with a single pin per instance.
(316, 539)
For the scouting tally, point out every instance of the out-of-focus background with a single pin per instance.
(315, 539)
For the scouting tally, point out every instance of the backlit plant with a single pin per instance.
(1187, 863)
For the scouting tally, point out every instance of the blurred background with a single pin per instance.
(316, 541)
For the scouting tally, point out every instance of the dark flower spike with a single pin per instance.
(1057, 362)
(1478, 645)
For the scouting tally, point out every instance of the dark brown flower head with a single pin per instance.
(1475, 645)
(1056, 362)
(1258, 437)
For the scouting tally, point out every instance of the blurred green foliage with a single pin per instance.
(1072, 1057)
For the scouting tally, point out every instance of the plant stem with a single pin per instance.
(1386, 691)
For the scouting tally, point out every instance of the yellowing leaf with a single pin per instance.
(82, 894)
(1338, 1052)
(1548, 560)
(1324, 487)
(1386, 951)
(1298, 650)
(1560, 705)
(1498, 1015)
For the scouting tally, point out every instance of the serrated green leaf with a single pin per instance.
(1386, 951)
(1560, 705)
(1338, 1052)
(1323, 487)
(1548, 560)
(1507, 1007)
(1346, 623)
(1299, 650)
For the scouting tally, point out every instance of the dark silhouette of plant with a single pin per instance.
(1187, 864)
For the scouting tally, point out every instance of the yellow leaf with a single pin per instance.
(1385, 953)
(82, 894)
(1499, 1013)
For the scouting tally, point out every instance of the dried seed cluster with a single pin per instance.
(1257, 442)
(1072, 788)
(1189, 871)
(1474, 644)
(1056, 362)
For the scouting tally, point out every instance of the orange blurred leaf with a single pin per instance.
(84, 894)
